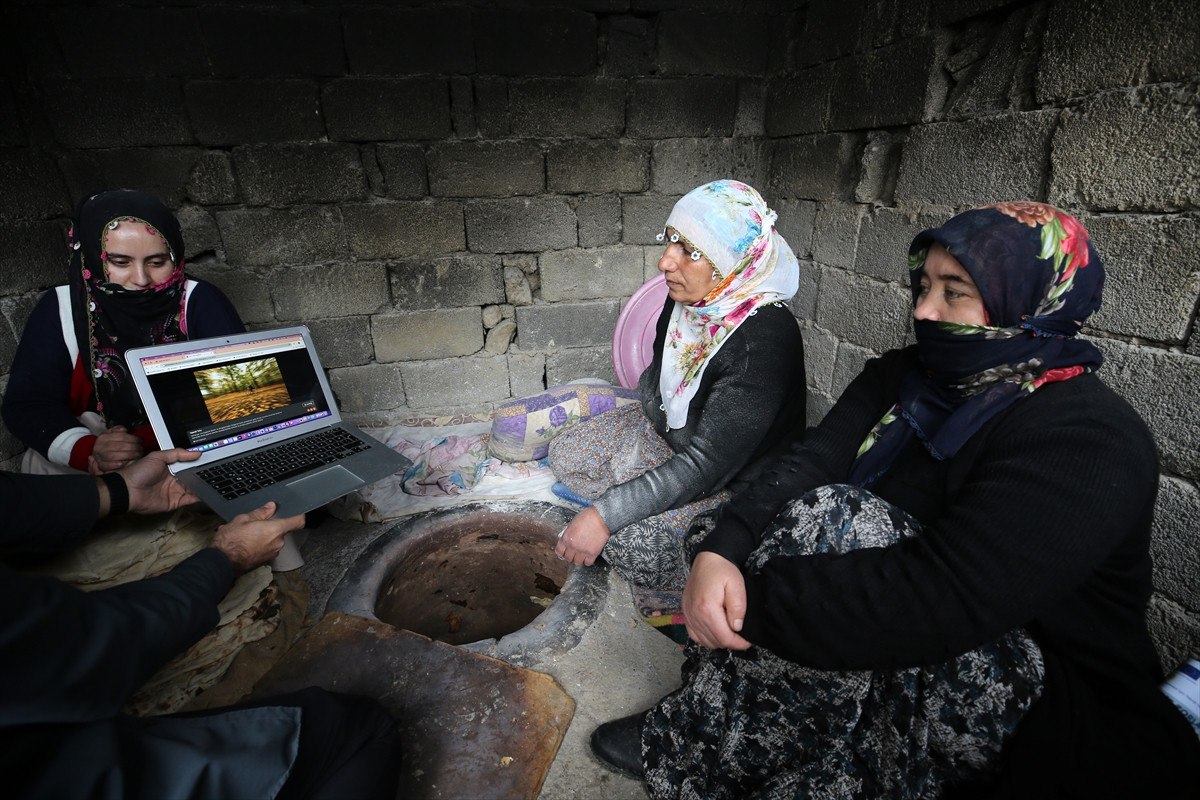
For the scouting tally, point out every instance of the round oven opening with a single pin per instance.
(477, 578)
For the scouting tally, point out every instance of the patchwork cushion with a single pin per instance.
(523, 427)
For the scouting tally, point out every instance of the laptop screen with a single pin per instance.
(216, 396)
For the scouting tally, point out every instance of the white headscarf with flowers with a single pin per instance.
(728, 223)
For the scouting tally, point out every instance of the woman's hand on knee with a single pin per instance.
(583, 538)
(714, 603)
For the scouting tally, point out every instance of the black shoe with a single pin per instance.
(618, 745)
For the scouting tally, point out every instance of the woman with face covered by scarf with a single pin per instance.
(940, 591)
(70, 398)
(725, 387)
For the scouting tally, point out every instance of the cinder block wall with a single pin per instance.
(456, 196)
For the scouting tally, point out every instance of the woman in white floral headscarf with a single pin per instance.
(725, 388)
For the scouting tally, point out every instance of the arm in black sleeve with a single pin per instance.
(1053, 489)
(211, 314)
(36, 406)
(71, 656)
(46, 513)
(822, 457)
(739, 410)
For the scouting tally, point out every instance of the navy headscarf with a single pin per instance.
(110, 319)
(1040, 279)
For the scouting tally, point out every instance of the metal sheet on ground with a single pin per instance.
(471, 726)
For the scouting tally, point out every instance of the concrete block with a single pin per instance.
(628, 46)
(264, 42)
(590, 107)
(890, 20)
(462, 107)
(313, 172)
(1175, 631)
(1151, 275)
(330, 290)
(665, 108)
(568, 366)
(643, 217)
(831, 29)
(650, 257)
(976, 162)
(894, 77)
(12, 133)
(591, 274)
(163, 171)
(547, 326)
(200, 231)
(1157, 39)
(33, 255)
(389, 41)
(539, 41)
(150, 41)
(574, 167)
(422, 335)
(599, 220)
(751, 117)
(31, 187)
(1175, 541)
(455, 382)
(404, 228)
(804, 304)
(517, 288)
(403, 169)
(267, 236)
(820, 356)
(681, 165)
(883, 240)
(370, 387)
(819, 167)
(878, 168)
(8, 347)
(116, 112)
(249, 290)
(712, 44)
(526, 373)
(462, 279)
(486, 169)
(993, 73)
(850, 362)
(835, 233)
(948, 11)
(799, 103)
(499, 337)
(211, 181)
(1161, 385)
(863, 311)
(796, 224)
(230, 112)
(492, 117)
(386, 109)
(528, 224)
(1129, 151)
(343, 341)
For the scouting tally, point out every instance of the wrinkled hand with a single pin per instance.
(151, 485)
(584, 538)
(255, 537)
(714, 603)
(114, 449)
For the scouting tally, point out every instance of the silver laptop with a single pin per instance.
(258, 409)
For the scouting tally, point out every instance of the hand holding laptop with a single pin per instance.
(255, 537)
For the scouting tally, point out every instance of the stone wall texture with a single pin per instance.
(458, 196)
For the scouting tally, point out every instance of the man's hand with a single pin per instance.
(583, 538)
(151, 485)
(714, 603)
(113, 450)
(255, 537)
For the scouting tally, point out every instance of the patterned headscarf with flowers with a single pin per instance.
(108, 318)
(1040, 279)
(728, 223)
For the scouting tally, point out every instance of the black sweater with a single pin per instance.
(1041, 521)
(750, 402)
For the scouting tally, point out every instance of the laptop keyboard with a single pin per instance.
(243, 475)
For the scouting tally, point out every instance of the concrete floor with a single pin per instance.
(621, 665)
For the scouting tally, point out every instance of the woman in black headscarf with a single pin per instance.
(70, 398)
(942, 588)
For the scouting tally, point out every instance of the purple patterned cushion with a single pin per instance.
(524, 426)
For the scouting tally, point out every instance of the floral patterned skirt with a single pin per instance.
(620, 445)
(749, 724)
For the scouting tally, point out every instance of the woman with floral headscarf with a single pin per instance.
(942, 589)
(70, 398)
(726, 387)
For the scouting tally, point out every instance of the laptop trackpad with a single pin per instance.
(333, 482)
